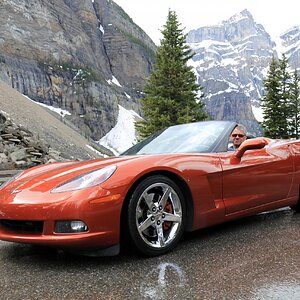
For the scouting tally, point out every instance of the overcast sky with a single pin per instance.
(151, 15)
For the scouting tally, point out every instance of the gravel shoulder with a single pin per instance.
(44, 125)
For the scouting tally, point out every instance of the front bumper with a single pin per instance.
(99, 209)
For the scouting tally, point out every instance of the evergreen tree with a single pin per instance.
(284, 79)
(172, 95)
(271, 102)
(278, 115)
(295, 106)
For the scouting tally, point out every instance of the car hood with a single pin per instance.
(56, 173)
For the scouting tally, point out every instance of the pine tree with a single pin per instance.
(284, 78)
(295, 106)
(271, 102)
(277, 103)
(172, 95)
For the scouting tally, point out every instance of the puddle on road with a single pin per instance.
(161, 281)
(286, 291)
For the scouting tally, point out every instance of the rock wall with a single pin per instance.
(66, 53)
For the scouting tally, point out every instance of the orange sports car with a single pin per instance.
(179, 179)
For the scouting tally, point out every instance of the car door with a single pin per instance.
(259, 177)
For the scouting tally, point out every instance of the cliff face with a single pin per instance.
(290, 41)
(28, 128)
(231, 62)
(84, 56)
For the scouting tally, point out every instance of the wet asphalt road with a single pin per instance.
(257, 257)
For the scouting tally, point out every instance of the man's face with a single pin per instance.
(237, 137)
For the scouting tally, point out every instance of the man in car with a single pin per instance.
(238, 135)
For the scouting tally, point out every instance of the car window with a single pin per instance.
(198, 137)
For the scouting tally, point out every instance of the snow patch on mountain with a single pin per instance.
(114, 80)
(258, 113)
(61, 112)
(123, 135)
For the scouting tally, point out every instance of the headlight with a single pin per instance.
(86, 180)
(5, 183)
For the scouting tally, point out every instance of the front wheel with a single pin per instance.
(296, 207)
(156, 215)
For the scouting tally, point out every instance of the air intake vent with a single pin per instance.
(22, 226)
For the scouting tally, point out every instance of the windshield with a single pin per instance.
(196, 137)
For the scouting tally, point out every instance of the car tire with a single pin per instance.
(156, 215)
(296, 207)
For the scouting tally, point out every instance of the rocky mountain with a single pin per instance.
(90, 59)
(231, 60)
(84, 56)
(30, 134)
(290, 45)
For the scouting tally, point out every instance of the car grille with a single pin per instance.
(22, 226)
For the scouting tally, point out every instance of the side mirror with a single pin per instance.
(257, 143)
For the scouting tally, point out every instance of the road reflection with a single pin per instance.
(160, 279)
(286, 291)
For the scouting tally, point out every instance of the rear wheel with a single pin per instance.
(156, 215)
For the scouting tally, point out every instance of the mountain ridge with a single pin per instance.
(231, 62)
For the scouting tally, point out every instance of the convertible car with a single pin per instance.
(179, 179)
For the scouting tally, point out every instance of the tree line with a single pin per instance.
(280, 103)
